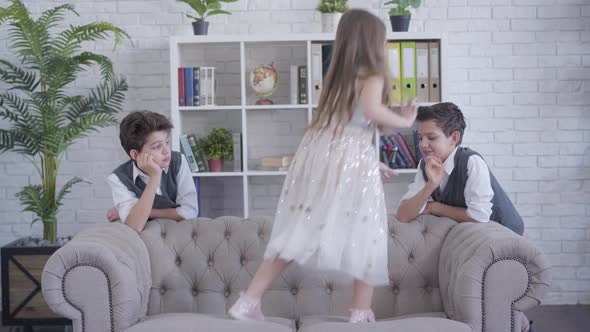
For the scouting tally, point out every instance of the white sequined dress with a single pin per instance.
(331, 212)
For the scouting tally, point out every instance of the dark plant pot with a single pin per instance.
(215, 165)
(400, 22)
(200, 27)
(22, 301)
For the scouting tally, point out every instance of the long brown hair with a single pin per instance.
(358, 53)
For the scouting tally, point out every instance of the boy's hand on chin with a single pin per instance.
(147, 164)
(434, 170)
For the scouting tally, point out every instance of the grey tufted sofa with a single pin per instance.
(184, 276)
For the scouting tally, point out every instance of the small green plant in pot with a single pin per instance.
(331, 13)
(204, 9)
(399, 14)
(217, 146)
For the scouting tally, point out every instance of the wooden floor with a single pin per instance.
(571, 318)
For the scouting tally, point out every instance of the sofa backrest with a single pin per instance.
(201, 266)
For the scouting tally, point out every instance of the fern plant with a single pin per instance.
(206, 8)
(44, 120)
(401, 7)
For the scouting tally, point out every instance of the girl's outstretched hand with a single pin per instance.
(386, 171)
(409, 112)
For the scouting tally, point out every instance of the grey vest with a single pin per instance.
(168, 183)
(503, 211)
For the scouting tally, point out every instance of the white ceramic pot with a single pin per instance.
(330, 21)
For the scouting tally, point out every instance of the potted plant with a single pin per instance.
(331, 13)
(217, 146)
(204, 9)
(399, 14)
(43, 118)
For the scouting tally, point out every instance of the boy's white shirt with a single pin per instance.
(478, 189)
(186, 196)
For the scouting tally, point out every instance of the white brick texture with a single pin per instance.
(519, 69)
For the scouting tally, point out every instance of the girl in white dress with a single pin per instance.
(331, 212)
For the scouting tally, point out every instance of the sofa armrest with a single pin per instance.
(489, 275)
(100, 279)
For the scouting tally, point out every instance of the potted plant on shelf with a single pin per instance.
(331, 13)
(399, 14)
(43, 118)
(217, 146)
(204, 9)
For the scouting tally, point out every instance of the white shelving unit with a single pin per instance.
(235, 56)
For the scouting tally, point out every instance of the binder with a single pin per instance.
(434, 71)
(393, 65)
(316, 72)
(422, 83)
(408, 66)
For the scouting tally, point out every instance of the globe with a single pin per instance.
(264, 80)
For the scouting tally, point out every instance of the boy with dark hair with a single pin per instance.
(156, 182)
(454, 181)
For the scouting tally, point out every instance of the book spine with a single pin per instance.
(407, 152)
(302, 84)
(192, 141)
(188, 153)
(188, 86)
(181, 95)
(197, 86)
(237, 140)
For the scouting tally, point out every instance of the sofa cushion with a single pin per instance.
(314, 319)
(412, 324)
(190, 322)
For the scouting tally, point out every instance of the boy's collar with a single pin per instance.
(137, 171)
(449, 163)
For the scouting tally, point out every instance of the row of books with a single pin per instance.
(400, 150)
(197, 160)
(196, 86)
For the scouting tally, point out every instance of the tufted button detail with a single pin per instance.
(261, 235)
(177, 261)
(226, 293)
(195, 292)
(411, 258)
(329, 290)
(243, 261)
(392, 235)
(163, 234)
(162, 290)
(428, 289)
(294, 290)
(227, 235)
(424, 231)
(210, 262)
(395, 290)
(194, 235)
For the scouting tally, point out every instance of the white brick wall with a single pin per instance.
(518, 68)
